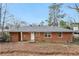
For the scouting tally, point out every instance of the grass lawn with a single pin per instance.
(40, 48)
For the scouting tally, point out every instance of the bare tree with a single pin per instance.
(75, 7)
(12, 23)
(0, 13)
(4, 17)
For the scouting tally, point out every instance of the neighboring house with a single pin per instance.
(76, 34)
(75, 26)
(41, 33)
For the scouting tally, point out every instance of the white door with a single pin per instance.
(32, 37)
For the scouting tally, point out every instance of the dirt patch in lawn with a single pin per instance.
(25, 48)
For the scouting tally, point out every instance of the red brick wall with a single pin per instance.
(39, 36)
(54, 37)
(26, 36)
(68, 36)
(65, 37)
(15, 36)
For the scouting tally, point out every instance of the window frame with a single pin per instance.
(47, 34)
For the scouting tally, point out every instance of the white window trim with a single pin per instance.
(47, 35)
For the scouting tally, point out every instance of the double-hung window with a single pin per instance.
(47, 34)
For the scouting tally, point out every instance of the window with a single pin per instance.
(59, 34)
(47, 35)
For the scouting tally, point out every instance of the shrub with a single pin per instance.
(5, 37)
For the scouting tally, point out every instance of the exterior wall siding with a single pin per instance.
(66, 37)
(26, 36)
(39, 36)
(15, 36)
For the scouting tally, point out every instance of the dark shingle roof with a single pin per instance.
(39, 29)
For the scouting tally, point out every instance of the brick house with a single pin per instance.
(41, 33)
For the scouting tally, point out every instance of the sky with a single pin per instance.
(36, 12)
